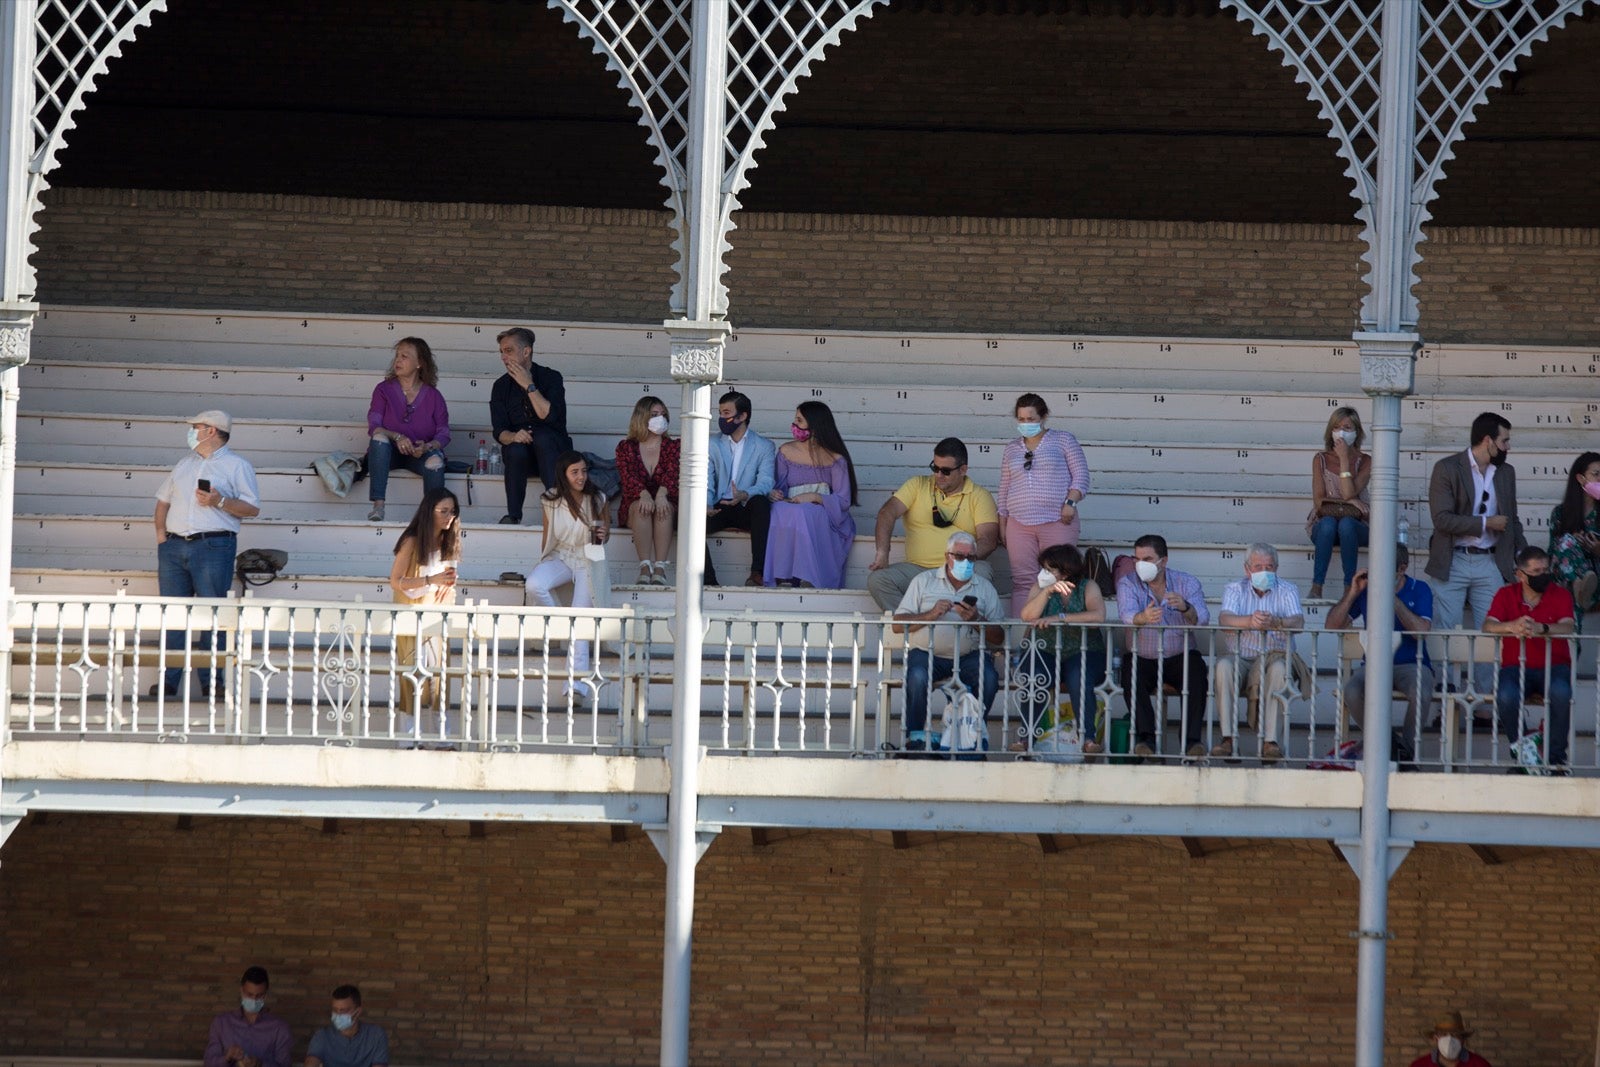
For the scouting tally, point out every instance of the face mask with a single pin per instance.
(1592, 489)
(961, 570)
(657, 424)
(1263, 581)
(342, 1021)
(252, 1004)
(1046, 579)
(1347, 436)
(1030, 429)
(797, 433)
(728, 426)
(1501, 457)
(193, 438)
(1540, 582)
(1449, 1046)
(1146, 570)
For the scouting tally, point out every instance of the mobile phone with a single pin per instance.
(205, 485)
(970, 600)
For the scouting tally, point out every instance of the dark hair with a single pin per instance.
(740, 402)
(952, 448)
(563, 491)
(1402, 556)
(825, 432)
(427, 369)
(1154, 541)
(1065, 560)
(1034, 401)
(421, 530)
(255, 976)
(1488, 425)
(1575, 503)
(1531, 554)
(523, 335)
(348, 992)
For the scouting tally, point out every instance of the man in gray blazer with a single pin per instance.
(1472, 496)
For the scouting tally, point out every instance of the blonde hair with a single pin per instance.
(637, 430)
(1338, 416)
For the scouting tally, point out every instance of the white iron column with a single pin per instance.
(697, 348)
(16, 312)
(1387, 369)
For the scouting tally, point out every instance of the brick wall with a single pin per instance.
(541, 944)
(249, 251)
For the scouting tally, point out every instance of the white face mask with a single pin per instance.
(1146, 570)
(657, 424)
(193, 438)
(1347, 436)
(1449, 1046)
(1046, 579)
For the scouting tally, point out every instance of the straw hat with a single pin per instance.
(1450, 1023)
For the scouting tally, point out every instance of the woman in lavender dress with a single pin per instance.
(812, 530)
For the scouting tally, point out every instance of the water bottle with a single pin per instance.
(495, 460)
(483, 458)
(1403, 534)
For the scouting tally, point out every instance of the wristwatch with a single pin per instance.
(532, 388)
(1546, 630)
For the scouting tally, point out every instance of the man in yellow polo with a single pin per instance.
(934, 506)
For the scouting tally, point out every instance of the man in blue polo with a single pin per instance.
(347, 1041)
(1413, 614)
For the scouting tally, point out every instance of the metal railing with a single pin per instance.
(481, 677)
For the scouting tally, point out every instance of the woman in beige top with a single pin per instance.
(1339, 512)
(424, 572)
(574, 519)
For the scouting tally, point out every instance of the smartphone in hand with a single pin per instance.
(205, 485)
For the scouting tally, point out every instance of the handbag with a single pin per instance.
(259, 566)
(965, 735)
(1339, 509)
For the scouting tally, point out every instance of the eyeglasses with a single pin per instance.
(1027, 461)
(957, 556)
(935, 468)
(445, 511)
(1483, 505)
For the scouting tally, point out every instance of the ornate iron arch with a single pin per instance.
(73, 43)
(1463, 49)
(770, 48)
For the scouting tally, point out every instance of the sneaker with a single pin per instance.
(1271, 752)
(511, 520)
(376, 514)
(1223, 749)
(1197, 751)
(1143, 750)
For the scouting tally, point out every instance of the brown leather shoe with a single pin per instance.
(1223, 749)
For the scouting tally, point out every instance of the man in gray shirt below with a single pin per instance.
(249, 1036)
(347, 1041)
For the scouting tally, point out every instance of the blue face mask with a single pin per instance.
(1264, 581)
(961, 570)
(342, 1021)
(193, 438)
(1030, 429)
(252, 1004)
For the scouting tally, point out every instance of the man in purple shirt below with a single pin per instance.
(250, 1036)
(1157, 599)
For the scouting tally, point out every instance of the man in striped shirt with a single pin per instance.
(1266, 612)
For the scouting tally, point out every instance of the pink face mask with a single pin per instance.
(798, 434)
(1593, 489)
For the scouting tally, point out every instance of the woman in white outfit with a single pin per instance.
(424, 573)
(574, 518)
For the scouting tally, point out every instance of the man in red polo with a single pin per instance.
(1529, 612)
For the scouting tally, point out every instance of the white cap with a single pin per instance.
(219, 419)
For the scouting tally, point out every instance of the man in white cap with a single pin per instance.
(198, 509)
(1448, 1038)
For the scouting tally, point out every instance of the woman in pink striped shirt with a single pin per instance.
(1043, 479)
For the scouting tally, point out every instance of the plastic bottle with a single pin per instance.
(483, 458)
(496, 462)
(1404, 530)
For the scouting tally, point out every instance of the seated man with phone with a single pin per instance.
(953, 592)
(198, 509)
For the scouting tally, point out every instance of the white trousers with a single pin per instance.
(542, 584)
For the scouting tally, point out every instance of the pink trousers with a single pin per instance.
(1023, 545)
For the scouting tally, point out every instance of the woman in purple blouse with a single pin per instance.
(408, 424)
(809, 539)
(1043, 480)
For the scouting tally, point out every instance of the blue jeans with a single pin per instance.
(202, 568)
(1352, 537)
(383, 457)
(919, 678)
(1557, 690)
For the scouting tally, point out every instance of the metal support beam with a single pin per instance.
(1396, 855)
(1194, 847)
(661, 837)
(10, 819)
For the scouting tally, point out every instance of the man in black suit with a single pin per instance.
(1472, 496)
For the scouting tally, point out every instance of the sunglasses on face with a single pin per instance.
(947, 471)
(960, 556)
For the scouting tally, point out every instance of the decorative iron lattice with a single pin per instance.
(771, 46)
(74, 41)
(1464, 48)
